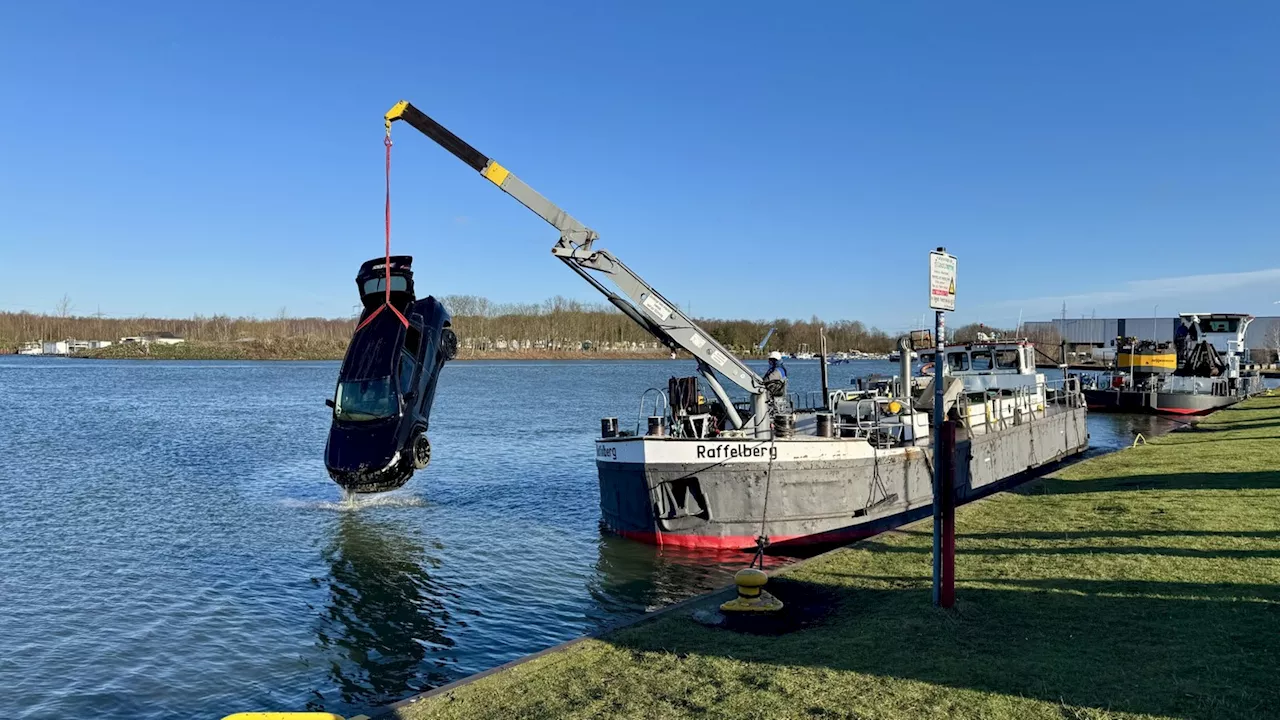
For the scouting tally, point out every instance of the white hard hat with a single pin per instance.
(775, 355)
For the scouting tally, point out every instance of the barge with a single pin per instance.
(1206, 368)
(824, 477)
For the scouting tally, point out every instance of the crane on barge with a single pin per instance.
(643, 304)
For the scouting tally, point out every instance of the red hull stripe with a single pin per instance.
(742, 542)
(1184, 411)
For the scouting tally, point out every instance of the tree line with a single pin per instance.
(557, 323)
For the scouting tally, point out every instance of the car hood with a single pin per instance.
(362, 446)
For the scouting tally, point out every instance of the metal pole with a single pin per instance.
(826, 387)
(947, 595)
(939, 378)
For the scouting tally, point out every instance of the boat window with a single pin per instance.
(958, 361)
(376, 285)
(1222, 325)
(982, 360)
(364, 400)
(1007, 359)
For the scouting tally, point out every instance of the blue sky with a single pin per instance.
(749, 159)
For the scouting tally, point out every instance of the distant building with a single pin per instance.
(159, 338)
(59, 347)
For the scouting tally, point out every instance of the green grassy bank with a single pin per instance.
(1145, 583)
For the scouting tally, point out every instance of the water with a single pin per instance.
(172, 547)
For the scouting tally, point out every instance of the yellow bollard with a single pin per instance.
(752, 597)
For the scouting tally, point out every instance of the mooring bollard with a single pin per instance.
(752, 597)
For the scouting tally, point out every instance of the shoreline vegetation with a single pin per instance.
(1144, 583)
(559, 328)
(285, 349)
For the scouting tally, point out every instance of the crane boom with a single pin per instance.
(643, 304)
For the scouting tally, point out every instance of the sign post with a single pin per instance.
(942, 299)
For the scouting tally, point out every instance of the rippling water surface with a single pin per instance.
(171, 546)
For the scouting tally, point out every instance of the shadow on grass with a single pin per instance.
(1085, 534)
(1233, 425)
(1222, 440)
(1177, 649)
(1261, 480)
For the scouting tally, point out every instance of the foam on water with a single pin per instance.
(355, 502)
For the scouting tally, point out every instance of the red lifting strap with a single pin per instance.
(386, 302)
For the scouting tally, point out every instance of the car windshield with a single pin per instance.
(364, 400)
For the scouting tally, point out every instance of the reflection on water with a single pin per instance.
(1114, 431)
(383, 630)
(632, 577)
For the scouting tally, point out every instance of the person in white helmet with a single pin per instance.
(775, 377)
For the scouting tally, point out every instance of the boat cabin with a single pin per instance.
(1224, 331)
(986, 366)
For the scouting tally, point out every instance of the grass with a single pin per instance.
(1145, 583)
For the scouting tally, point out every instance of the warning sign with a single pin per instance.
(942, 281)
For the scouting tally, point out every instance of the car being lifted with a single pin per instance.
(387, 383)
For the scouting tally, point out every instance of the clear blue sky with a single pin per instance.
(750, 159)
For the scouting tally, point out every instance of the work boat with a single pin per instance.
(824, 476)
(1206, 368)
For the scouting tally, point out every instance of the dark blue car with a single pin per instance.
(387, 383)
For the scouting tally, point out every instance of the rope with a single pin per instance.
(762, 540)
(386, 300)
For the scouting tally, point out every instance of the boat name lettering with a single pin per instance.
(608, 451)
(729, 451)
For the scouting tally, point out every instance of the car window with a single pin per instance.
(412, 340)
(398, 284)
(407, 366)
(1007, 359)
(981, 359)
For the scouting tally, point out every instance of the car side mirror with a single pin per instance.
(328, 401)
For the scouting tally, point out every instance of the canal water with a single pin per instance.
(171, 546)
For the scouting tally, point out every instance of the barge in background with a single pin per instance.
(1203, 370)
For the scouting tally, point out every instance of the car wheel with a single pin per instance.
(449, 344)
(421, 451)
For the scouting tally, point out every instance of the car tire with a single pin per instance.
(421, 451)
(449, 344)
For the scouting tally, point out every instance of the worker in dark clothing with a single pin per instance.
(775, 383)
(775, 377)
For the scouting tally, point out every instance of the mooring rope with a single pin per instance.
(762, 539)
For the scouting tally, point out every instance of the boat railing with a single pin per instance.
(661, 407)
(1001, 410)
(871, 421)
(810, 401)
